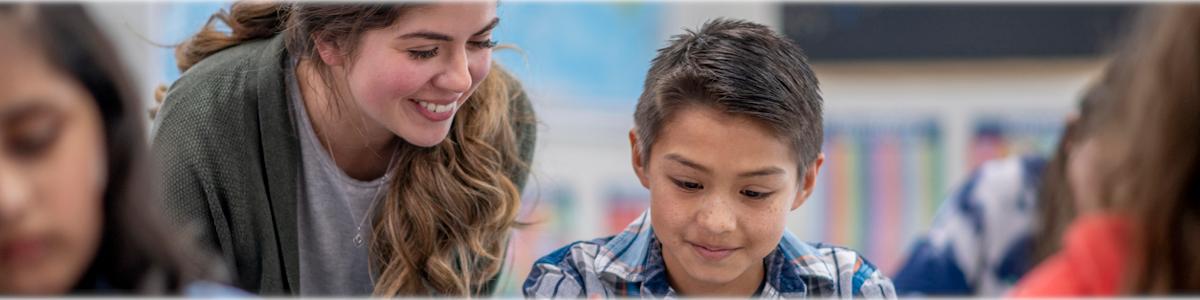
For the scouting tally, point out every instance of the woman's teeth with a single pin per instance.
(438, 108)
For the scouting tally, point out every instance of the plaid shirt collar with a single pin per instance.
(633, 260)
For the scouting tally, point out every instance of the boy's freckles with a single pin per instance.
(712, 234)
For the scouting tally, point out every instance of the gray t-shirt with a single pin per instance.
(332, 210)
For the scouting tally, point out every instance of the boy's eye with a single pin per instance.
(485, 44)
(687, 185)
(423, 54)
(755, 194)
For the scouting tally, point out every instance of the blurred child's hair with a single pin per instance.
(739, 68)
(1151, 138)
(1056, 205)
(137, 252)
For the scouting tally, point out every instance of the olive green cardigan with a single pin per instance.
(230, 156)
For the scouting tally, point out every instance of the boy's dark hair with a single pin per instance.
(739, 68)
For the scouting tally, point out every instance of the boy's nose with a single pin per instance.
(715, 217)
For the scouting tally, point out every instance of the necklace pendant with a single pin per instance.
(358, 240)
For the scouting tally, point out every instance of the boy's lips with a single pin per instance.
(712, 252)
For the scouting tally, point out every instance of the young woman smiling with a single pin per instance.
(348, 149)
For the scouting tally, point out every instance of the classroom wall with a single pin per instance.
(899, 134)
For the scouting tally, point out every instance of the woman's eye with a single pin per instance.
(688, 185)
(423, 54)
(485, 44)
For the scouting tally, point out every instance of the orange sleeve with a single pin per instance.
(1052, 278)
(1090, 263)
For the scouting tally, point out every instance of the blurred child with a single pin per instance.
(727, 139)
(1007, 216)
(76, 213)
(1137, 193)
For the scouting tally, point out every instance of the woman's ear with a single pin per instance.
(329, 51)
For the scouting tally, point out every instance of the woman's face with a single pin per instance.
(52, 174)
(413, 76)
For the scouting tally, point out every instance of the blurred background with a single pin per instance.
(916, 96)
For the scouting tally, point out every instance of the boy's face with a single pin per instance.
(720, 187)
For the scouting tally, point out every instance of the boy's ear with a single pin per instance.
(329, 52)
(637, 159)
(810, 181)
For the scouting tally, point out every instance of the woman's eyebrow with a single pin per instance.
(491, 25)
(437, 36)
(429, 35)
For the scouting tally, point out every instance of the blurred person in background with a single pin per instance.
(77, 209)
(1138, 197)
(1006, 217)
(348, 149)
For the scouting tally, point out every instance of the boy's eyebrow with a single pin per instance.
(691, 164)
(678, 158)
(762, 172)
(430, 35)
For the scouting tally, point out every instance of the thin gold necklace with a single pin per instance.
(358, 239)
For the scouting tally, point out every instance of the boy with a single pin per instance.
(727, 139)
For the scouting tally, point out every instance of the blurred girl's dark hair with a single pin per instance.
(138, 252)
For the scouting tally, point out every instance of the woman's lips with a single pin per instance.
(712, 252)
(433, 111)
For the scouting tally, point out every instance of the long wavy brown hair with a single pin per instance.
(443, 226)
(1153, 145)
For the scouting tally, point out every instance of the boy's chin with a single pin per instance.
(713, 275)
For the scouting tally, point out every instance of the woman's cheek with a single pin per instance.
(480, 68)
(383, 85)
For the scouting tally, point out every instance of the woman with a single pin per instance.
(76, 212)
(345, 149)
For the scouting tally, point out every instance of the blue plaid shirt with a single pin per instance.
(630, 264)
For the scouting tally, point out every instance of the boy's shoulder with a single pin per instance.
(566, 272)
(801, 268)
(599, 266)
(630, 264)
